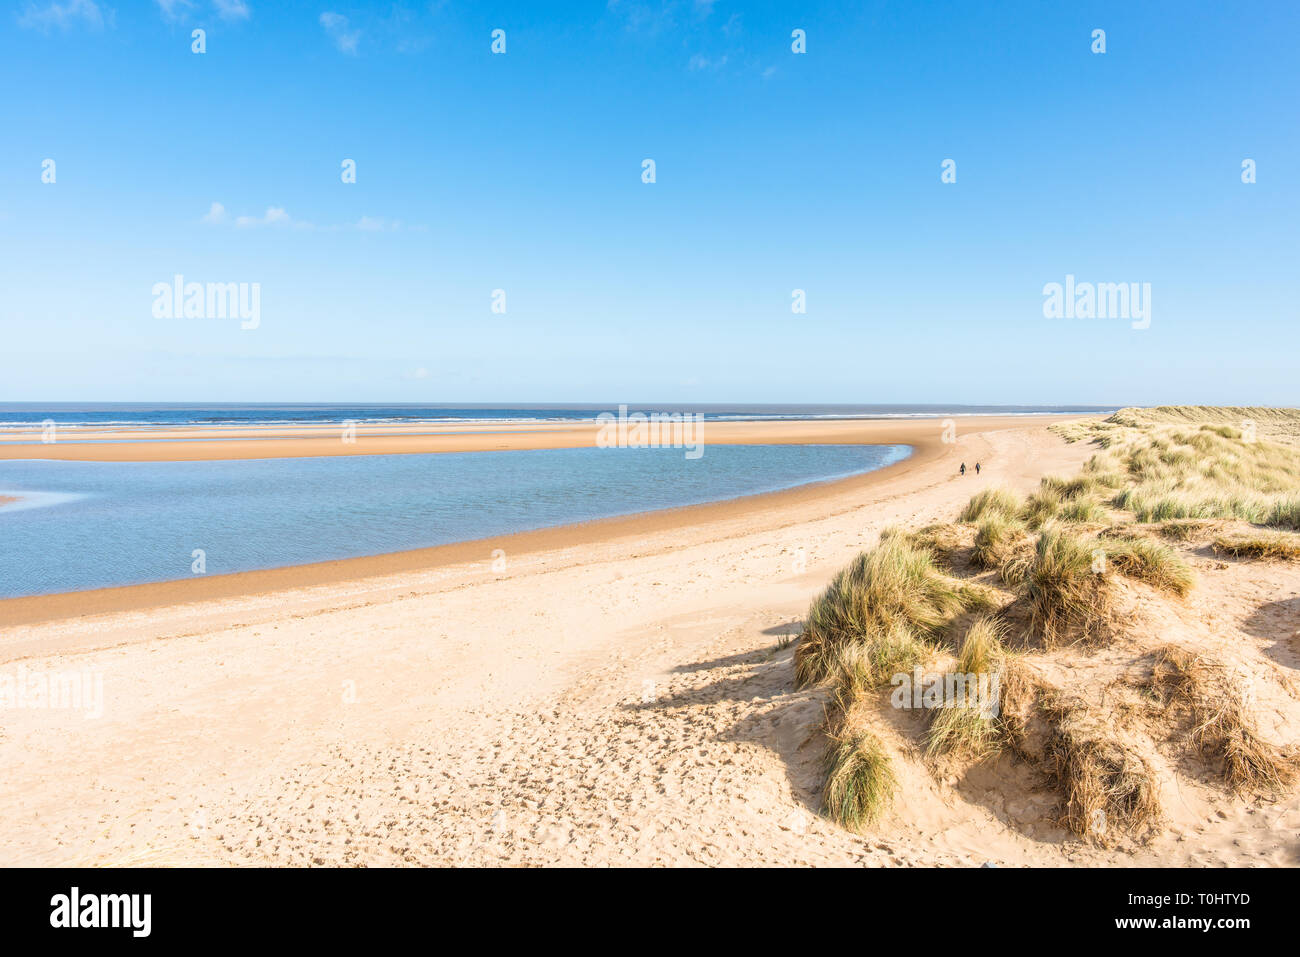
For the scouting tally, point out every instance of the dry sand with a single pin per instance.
(614, 696)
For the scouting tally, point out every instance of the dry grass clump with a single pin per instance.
(1083, 511)
(1072, 499)
(1090, 482)
(946, 542)
(1280, 546)
(997, 500)
(1109, 789)
(1041, 507)
(1183, 531)
(1066, 487)
(1249, 763)
(1021, 705)
(886, 596)
(1149, 561)
(1178, 674)
(862, 667)
(997, 539)
(981, 649)
(1067, 599)
(970, 727)
(1223, 728)
(860, 779)
(1069, 595)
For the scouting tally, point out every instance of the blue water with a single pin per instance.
(97, 524)
(172, 413)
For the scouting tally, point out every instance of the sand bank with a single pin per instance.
(925, 436)
(171, 445)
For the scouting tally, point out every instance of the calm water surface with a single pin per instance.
(96, 524)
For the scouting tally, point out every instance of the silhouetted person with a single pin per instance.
(963, 468)
(977, 468)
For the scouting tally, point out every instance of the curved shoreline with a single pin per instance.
(785, 507)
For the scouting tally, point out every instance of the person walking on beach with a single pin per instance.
(963, 468)
(977, 468)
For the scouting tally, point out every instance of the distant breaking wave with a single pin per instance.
(128, 415)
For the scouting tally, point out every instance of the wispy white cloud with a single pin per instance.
(65, 15)
(215, 215)
(278, 216)
(336, 25)
(232, 9)
(274, 216)
(173, 9)
(701, 62)
(643, 16)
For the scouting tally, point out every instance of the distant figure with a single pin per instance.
(977, 468)
(963, 468)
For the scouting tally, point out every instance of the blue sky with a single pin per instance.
(775, 171)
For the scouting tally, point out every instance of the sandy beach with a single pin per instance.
(612, 697)
(617, 695)
(569, 443)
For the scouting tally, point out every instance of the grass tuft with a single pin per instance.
(1109, 788)
(990, 501)
(890, 595)
(996, 540)
(1285, 514)
(1148, 561)
(1224, 729)
(1067, 599)
(1281, 546)
(1041, 507)
(860, 780)
(968, 727)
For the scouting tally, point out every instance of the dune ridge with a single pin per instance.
(1086, 602)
